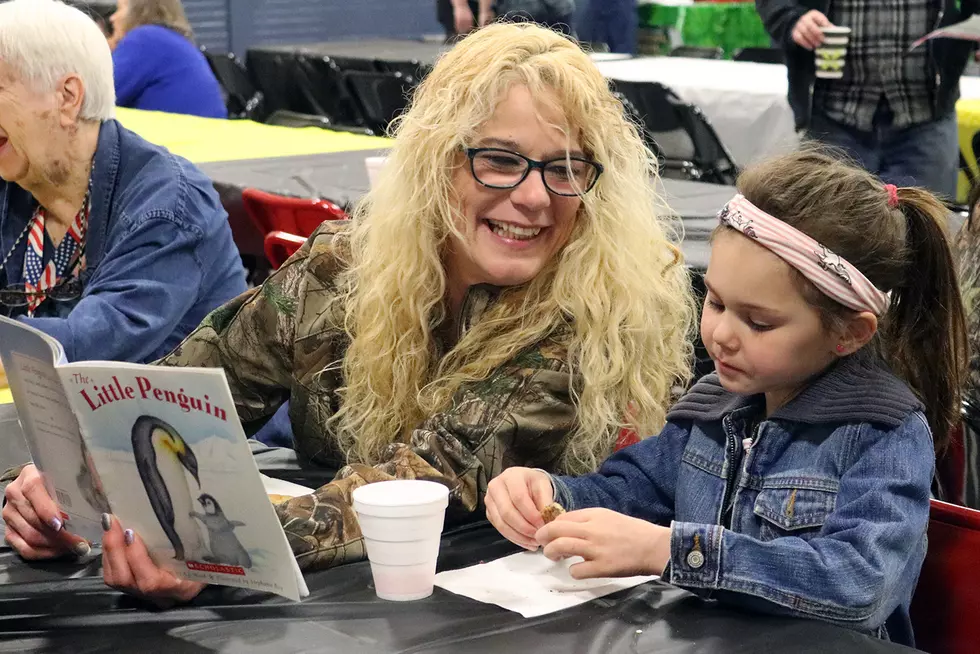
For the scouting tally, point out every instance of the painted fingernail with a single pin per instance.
(128, 536)
(81, 549)
(106, 522)
(55, 523)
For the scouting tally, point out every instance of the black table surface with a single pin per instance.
(425, 52)
(63, 607)
(342, 178)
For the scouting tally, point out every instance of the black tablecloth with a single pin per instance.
(342, 177)
(387, 49)
(66, 608)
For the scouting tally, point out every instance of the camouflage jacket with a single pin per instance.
(276, 342)
(967, 248)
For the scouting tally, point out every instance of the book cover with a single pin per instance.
(161, 448)
(967, 30)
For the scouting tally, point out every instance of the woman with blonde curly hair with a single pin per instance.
(506, 295)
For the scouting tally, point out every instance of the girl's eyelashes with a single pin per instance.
(715, 305)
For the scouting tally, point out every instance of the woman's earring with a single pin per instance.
(840, 348)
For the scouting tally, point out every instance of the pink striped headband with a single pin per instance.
(832, 274)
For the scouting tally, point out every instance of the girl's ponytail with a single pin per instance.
(924, 338)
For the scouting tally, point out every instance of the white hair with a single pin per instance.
(44, 40)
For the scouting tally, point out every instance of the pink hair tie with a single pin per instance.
(892, 195)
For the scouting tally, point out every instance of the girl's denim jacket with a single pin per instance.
(826, 510)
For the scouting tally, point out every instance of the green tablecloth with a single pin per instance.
(728, 25)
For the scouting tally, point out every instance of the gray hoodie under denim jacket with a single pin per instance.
(826, 511)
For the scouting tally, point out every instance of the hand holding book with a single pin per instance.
(35, 528)
(127, 566)
(142, 459)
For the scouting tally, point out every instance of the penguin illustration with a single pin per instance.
(161, 458)
(91, 484)
(225, 547)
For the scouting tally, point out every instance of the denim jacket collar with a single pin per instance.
(858, 388)
(105, 167)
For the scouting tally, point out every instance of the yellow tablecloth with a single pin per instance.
(968, 121)
(202, 140)
(5, 397)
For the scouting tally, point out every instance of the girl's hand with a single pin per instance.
(127, 566)
(35, 528)
(612, 544)
(514, 501)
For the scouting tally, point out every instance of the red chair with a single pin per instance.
(300, 216)
(279, 246)
(626, 438)
(946, 606)
(951, 468)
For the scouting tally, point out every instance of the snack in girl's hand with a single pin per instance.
(551, 512)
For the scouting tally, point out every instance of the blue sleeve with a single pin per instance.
(137, 295)
(859, 567)
(132, 63)
(639, 480)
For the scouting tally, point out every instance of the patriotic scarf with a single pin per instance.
(39, 276)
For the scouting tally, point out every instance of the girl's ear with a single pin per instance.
(860, 329)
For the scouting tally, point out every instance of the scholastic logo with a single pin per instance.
(214, 567)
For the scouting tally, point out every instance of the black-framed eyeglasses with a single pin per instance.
(17, 295)
(66, 289)
(503, 169)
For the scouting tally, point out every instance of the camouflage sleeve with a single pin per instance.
(251, 337)
(520, 416)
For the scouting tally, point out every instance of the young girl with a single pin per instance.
(795, 479)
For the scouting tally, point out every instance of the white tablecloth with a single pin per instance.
(609, 56)
(745, 102)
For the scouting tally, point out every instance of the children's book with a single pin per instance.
(161, 448)
(967, 30)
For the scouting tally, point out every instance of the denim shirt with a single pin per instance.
(159, 254)
(827, 510)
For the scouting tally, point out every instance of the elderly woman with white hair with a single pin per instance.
(112, 245)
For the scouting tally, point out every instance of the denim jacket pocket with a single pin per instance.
(794, 511)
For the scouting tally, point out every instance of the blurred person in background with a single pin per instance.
(613, 22)
(458, 17)
(559, 15)
(894, 110)
(157, 65)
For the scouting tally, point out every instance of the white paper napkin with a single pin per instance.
(530, 584)
(275, 486)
